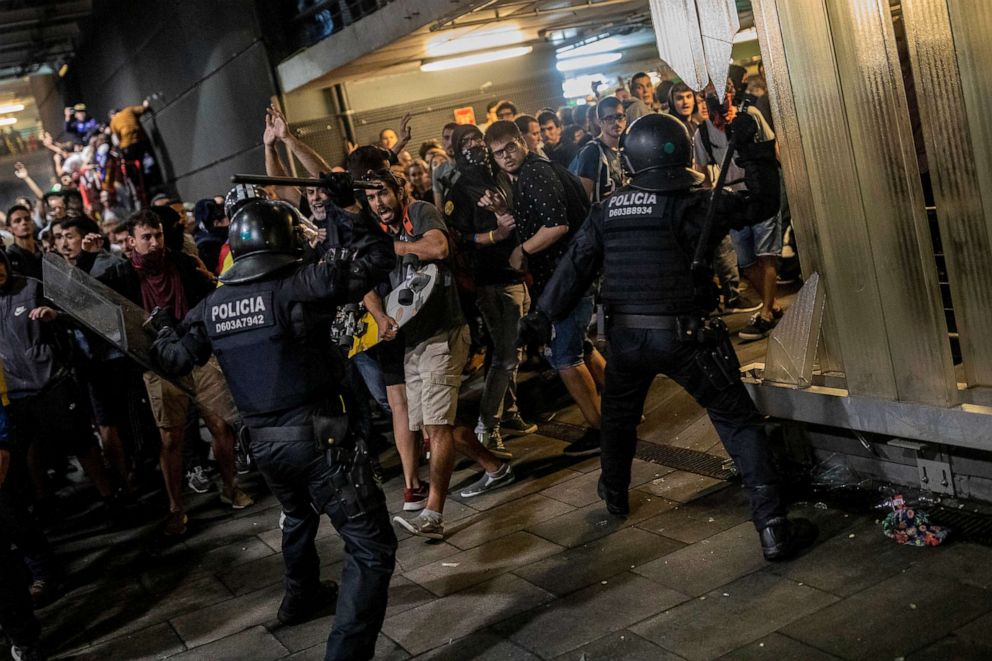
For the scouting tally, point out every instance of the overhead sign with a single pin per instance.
(465, 115)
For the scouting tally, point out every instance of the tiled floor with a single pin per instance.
(540, 571)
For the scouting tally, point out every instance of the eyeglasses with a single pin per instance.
(618, 118)
(507, 151)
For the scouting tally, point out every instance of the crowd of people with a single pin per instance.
(483, 218)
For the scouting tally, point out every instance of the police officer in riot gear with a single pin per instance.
(268, 330)
(643, 238)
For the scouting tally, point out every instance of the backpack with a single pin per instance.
(577, 203)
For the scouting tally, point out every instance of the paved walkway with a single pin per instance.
(540, 571)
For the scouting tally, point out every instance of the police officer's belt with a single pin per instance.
(284, 434)
(644, 321)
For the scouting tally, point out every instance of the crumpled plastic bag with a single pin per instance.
(910, 526)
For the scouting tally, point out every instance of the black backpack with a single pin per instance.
(577, 203)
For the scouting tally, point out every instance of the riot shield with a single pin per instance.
(103, 311)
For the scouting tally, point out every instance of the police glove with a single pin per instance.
(341, 261)
(743, 129)
(157, 320)
(340, 187)
(168, 353)
(535, 329)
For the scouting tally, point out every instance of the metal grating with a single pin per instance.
(684, 459)
(965, 526)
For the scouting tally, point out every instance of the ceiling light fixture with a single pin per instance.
(7, 121)
(476, 58)
(14, 107)
(581, 86)
(589, 47)
(505, 35)
(587, 61)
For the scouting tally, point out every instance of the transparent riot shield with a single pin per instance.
(103, 311)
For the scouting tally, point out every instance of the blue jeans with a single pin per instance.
(371, 374)
(635, 357)
(300, 479)
(568, 338)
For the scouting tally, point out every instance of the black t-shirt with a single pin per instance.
(546, 195)
(490, 262)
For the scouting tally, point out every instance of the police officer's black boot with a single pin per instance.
(300, 608)
(782, 538)
(617, 502)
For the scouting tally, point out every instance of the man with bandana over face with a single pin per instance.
(158, 277)
(502, 296)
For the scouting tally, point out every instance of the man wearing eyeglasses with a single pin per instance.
(549, 203)
(597, 165)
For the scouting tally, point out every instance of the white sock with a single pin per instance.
(432, 515)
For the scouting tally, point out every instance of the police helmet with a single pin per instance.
(657, 155)
(241, 195)
(262, 239)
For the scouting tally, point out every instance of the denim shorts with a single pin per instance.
(568, 336)
(761, 240)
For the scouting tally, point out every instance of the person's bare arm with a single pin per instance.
(404, 134)
(433, 245)
(387, 325)
(312, 162)
(274, 166)
(21, 173)
(543, 239)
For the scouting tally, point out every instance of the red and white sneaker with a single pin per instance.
(415, 499)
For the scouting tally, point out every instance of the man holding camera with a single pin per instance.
(643, 238)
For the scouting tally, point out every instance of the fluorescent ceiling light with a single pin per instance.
(587, 61)
(750, 34)
(15, 107)
(473, 41)
(581, 86)
(598, 46)
(7, 121)
(476, 58)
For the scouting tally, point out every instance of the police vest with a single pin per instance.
(272, 350)
(646, 270)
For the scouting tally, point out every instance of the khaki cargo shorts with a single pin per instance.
(433, 373)
(170, 405)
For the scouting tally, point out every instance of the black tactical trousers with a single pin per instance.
(635, 357)
(299, 477)
(16, 610)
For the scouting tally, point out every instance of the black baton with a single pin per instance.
(265, 180)
(699, 258)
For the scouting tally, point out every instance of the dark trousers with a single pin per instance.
(16, 610)
(300, 478)
(636, 356)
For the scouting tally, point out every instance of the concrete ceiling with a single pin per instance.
(34, 33)
(555, 22)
